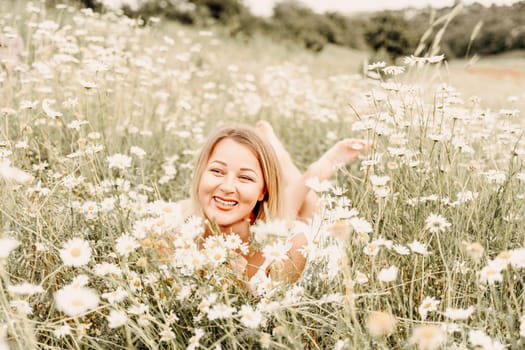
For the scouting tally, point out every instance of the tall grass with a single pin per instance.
(419, 244)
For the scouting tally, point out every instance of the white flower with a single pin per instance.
(62, 331)
(418, 247)
(126, 244)
(318, 186)
(459, 314)
(14, 174)
(119, 161)
(478, 338)
(139, 152)
(436, 223)
(21, 306)
(76, 252)
(427, 305)
(116, 318)
(25, 288)
(517, 259)
(194, 340)
(105, 268)
(263, 230)
(116, 296)
(360, 225)
(249, 317)
(167, 335)
(388, 274)
(220, 311)
(7, 245)
(427, 337)
(75, 301)
(491, 273)
(276, 252)
(401, 249)
(522, 326)
(360, 278)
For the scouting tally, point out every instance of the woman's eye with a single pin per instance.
(216, 171)
(247, 178)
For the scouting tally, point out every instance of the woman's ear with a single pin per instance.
(262, 195)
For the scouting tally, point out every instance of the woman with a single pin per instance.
(244, 174)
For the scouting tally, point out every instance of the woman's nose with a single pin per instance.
(228, 184)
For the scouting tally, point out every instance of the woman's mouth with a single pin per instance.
(226, 203)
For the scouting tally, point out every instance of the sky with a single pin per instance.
(264, 7)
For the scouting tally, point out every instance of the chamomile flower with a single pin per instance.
(436, 223)
(428, 337)
(76, 252)
(249, 317)
(380, 323)
(116, 318)
(388, 274)
(126, 244)
(459, 314)
(427, 305)
(75, 301)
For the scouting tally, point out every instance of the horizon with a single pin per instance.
(265, 8)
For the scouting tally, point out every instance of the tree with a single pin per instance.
(389, 32)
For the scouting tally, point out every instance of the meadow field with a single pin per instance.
(419, 244)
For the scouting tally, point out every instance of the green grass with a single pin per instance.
(125, 85)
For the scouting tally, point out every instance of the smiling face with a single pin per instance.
(231, 184)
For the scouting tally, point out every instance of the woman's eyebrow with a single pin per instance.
(249, 169)
(218, 161)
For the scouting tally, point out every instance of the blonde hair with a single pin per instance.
(272, 206)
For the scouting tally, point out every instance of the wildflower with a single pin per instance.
(459, 314)
(22, 306)
(474, 250)
(76, 252)
(318, 186)
(126, 245)
(62, 331)
(388, 274)
(116, 296)
(167, 335)
(74, 301)
(478, 338)
(400, 249)
(393, 70)
(340, 231)
(491, 273)
(427, 305)
(264, 230)
(138, 309)
(360, 225)
(80, 281)
(380, 323)
(25, 288)
(522, 326)
(418, 247)
(249, 317)
(517, 259)
(220, 311)
(7, 245)
(276, 252)
(105, 268)
(116, 318)
(119, 161)
(376, 65)
(427, 337)
(194, 340)
(14, 174)
(436, 223)
(360, 278)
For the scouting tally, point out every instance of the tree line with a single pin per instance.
(461, 31)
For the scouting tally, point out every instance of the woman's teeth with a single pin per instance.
(224, 202)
